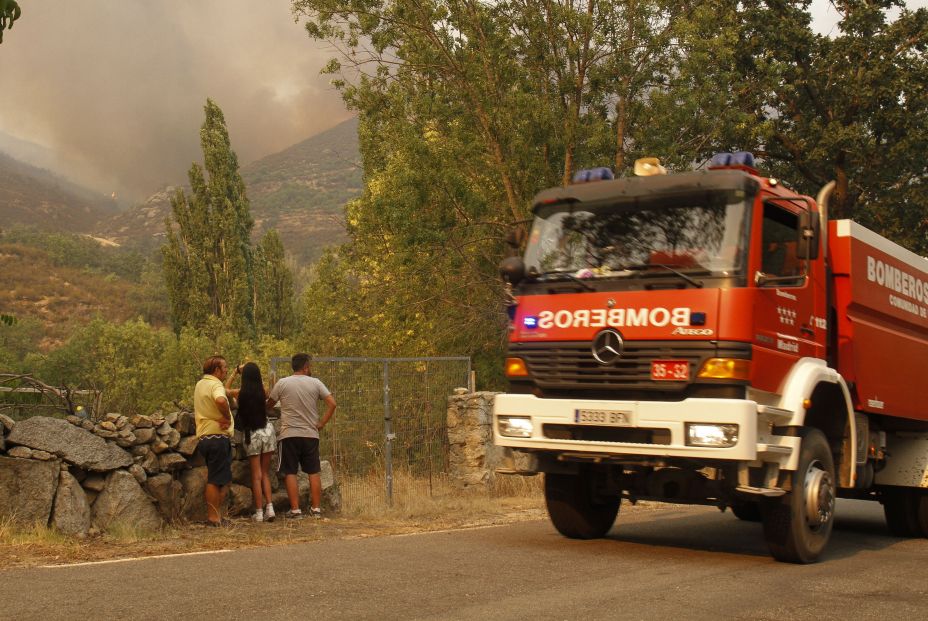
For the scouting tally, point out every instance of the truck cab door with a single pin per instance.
(789, 299)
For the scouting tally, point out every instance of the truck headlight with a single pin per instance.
(515, 426)
(717, 436)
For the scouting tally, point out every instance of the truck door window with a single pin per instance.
(778, 250)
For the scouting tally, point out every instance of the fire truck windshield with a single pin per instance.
(697, 233)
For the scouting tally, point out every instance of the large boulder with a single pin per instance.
(71, 513)
(6, 424)
(331, 495)
(27, 489)
(73, 444)
(241, 500)
(193, 482)
(188, 446)
(123, 501)
(172, 461)
(144, 435)
(168, 494)
(241, 473)
(186, 424)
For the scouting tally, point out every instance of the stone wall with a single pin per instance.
(84, 476)
(472, 456)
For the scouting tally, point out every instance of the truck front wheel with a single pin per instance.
(798, 525)
(906, 512)
(576, 510)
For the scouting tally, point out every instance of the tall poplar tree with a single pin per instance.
(274, 312)
(208, 263)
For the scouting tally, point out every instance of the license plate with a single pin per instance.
(615, 418)
(670, 370)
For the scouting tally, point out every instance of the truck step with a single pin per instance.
(769, 492)
(773, 411)
(513, 472)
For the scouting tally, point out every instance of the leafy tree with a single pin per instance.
(18, 338)
(9, 13)
(137, 367)
(851, 106)
(274, 295)
(208, 262)
(468, 107)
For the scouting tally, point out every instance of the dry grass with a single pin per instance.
(417, 507)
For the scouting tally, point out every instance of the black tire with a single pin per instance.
(746, 510)
(797, 526)
(906, 512)
(575, 510)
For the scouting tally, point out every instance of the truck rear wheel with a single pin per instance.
(575, 509)
(798, 525)
(906, 512)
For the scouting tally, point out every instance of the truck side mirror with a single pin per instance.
(807, 246)
(512, 269)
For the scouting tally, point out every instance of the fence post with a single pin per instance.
(388, 432)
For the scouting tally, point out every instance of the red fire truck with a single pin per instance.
(710, 337)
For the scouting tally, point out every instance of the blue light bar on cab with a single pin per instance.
(739, 158)
(593, 174)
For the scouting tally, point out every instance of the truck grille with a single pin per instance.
(570, 365)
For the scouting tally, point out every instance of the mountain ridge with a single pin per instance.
(300, 191)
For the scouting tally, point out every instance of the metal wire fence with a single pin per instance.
(388, 440)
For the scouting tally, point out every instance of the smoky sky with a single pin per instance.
(116, 88)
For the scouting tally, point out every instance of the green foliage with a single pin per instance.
(9, 13)
(18, 337)
(140, 368)
(851, 106)
(273, 287)
(208, 259)
(467, 108)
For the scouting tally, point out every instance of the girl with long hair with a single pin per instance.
(260, 437)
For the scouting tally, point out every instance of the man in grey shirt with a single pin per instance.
(299, 430)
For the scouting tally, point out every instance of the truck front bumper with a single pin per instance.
(666, 418)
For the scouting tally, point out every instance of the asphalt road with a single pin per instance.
(676, 563)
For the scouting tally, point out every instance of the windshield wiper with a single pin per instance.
(564, 275)
(643, 266)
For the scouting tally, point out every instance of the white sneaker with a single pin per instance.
(269, 513)
(258, 516)
(316, 512)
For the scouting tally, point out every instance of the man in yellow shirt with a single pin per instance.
(214, 432)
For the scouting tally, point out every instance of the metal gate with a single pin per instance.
(388, 438)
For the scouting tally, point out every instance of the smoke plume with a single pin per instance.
(116, 88)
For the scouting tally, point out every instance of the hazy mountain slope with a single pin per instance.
(300, 191)
(35, 197)
(61, 296)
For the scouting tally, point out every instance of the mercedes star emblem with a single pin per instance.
(607, 346)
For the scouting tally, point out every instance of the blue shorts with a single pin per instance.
(217, 452)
